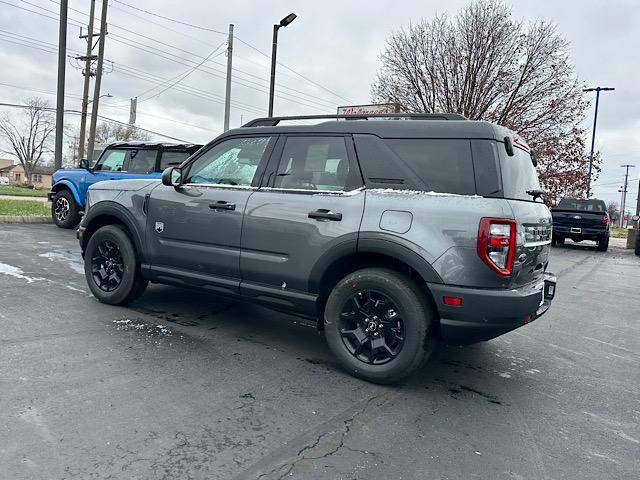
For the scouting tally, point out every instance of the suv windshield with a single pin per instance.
(582, 205)
(518, 174)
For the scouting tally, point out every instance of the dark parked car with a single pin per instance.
(391, 233)
(581, 219)
(120, 160)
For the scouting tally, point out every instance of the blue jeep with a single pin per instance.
(120, 160)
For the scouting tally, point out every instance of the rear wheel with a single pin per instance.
(637, 249)
(112, 268)
(65, 212)
(603, 244)
(377, 323)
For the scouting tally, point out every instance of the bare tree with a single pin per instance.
(114, 132)
(28, 139)
(485, 65)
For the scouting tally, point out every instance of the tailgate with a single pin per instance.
(566, 218)
(534, 240)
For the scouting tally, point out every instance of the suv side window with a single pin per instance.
(231, 162)
(314, 163)
(171, 158)
(111, 161)
(443, 165)
(142, 161)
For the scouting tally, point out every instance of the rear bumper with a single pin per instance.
(588, 233)
(486, 314)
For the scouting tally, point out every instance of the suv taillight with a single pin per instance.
(497, 244)
(605, 219)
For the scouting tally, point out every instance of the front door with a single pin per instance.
(311, 209)
(193, 231)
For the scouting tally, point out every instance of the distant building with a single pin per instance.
(41, 177)
(5, 162)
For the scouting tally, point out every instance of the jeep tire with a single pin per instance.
(112, 268)
(391, 307)
(65, 212)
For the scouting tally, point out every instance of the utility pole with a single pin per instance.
(62, 63)
(88, 58)
(593, 133)
(624, 193)
(96, 86)
(133, 110)
(638, 200)
(227, 98)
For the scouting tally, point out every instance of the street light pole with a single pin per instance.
(62, 62)
(593, 133)
(274, 47)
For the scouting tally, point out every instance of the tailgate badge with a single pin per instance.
(159, 227)
(577, 217)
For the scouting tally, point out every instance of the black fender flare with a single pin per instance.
(401, 249)
(379, 243)
(113, 209)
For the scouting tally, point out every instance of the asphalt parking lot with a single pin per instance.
(182, 385)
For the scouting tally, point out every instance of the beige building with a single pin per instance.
(15, 173)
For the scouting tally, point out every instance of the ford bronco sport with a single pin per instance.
(120, 160)
(391, 232)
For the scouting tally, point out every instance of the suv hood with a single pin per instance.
(124, 185)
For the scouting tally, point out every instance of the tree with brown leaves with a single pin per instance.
(28, 139)
(485, 65)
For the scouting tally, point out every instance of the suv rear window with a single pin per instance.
(443, 165)
(518, 174)
(172, 158)
(582, 205)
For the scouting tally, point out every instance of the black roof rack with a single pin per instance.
(273, 121)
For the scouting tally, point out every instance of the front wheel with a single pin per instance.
(111, 267)
(65, 212)
(378, 325)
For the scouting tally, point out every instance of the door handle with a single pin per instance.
(222, 205)
(324, 214)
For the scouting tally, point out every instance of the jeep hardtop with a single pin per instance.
(391, 231)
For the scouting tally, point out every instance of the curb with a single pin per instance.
(24, 219)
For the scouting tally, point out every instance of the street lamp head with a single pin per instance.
(598, 89)
(288, 19)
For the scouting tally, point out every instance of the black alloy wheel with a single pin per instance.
(107, 266)
(371, 327)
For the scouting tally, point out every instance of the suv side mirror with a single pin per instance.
(84, 163)
(172, 177)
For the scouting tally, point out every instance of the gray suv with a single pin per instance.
(391, 232)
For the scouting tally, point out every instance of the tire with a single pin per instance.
(65, 212)
(603, 244)
(408, 303)
(637, 249)
(560, 240)
(111, 243)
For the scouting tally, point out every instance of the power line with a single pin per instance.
(172, 57)
(239, 39)
(101, 117)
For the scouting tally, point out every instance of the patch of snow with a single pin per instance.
(16, 272)
(75, 289)
(505, 375)
(395, 191)
(73, 260)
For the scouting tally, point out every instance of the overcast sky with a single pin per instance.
(334, 44)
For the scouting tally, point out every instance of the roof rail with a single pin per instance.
(273, 121)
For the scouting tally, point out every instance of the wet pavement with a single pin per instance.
(183, 385)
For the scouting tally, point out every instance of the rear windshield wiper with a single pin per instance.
(535, 194)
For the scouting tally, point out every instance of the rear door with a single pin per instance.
(193, 231)
(310, 207)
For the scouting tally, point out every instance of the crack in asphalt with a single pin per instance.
(335, 441)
